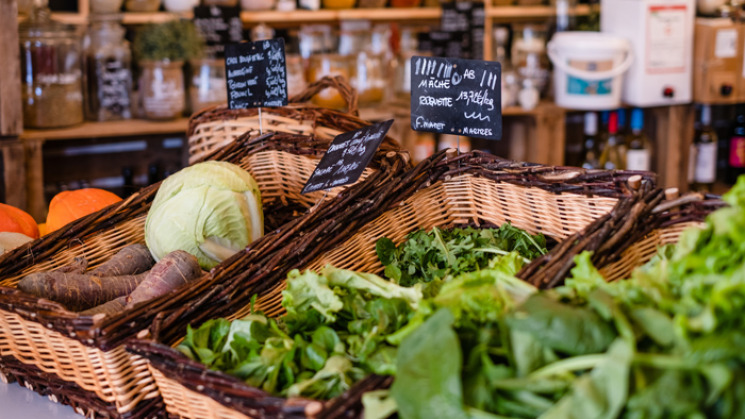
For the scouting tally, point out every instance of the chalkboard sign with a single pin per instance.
(347, 157)
(256, 74)
(219, 26)
(464, 21)
(454, 96)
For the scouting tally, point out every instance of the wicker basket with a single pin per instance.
(626, 238)
(473, 188)
(218, 126)
(87, 351)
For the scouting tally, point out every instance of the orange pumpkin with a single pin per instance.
(17, 221)
(68, 206)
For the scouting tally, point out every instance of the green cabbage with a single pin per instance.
(211, 210)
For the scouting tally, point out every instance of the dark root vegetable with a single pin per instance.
(174, 270)
(131, 260)
(79, 291)
(77, 266)
(109, 308)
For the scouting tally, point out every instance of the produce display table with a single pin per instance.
(19, 402)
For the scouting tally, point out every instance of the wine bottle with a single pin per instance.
(736, 152)
(590, 148)
(702, 167)
(638, 146)
(612, 156)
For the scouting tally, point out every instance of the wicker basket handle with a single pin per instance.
(348, 93)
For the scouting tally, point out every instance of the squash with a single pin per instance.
(15, 220)
(68, 206)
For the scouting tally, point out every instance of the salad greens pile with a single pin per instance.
(341, 325)
(667, 343)
(438, 254)
(466, 339)
(334, 333)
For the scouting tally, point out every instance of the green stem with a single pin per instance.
(530, 237)
(584, 362)
(498, 252)
(664, 362)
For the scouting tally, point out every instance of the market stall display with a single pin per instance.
(42, 338)
(470, 189)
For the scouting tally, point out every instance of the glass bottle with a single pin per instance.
(612, 156)
(109, 72)
(51, 72)
(703, 154)
(510, 84)
(590, 147)
(639, 148)
(736, 154)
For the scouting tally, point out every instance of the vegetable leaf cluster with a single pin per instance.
(424, 256)
(666, 343)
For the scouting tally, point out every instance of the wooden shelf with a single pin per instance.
(386, 14)
(125, 128)
(529, 12)
(324, 15)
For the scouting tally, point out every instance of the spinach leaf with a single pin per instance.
(428, 382)
(562, 327)
(602, 393)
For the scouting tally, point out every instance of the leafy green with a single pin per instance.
(334, 333)
(428, 371)
(424, 257)
(565, 328)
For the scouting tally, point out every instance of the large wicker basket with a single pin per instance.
(39, 338)
(474, 188)
(625, 238)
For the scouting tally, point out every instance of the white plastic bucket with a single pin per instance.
(588, 69)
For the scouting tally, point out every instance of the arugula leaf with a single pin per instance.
(424, 257)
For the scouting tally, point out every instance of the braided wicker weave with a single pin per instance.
(216, 127)
(87, 351)
(473, 188)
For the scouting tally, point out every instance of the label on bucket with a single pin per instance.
(578, 86)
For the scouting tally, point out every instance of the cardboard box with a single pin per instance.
(717, 61)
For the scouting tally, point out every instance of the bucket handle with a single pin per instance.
(589, 75)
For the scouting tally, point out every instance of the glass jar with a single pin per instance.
(327, 64)
(51, 75)
(142, 6)
(223, 3)
(207, 83)
(296, 83)
(109, 71)
(162, 89)
(365, 52)
(105, 6)
(529, 57)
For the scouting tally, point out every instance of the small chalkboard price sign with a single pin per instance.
(347, 157)
(219, 25)
(256, 74)
(455, 96)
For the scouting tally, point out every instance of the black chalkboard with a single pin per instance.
(256, 74)
(219, 26)
(455, 96)
(464, 20)
(347, 157)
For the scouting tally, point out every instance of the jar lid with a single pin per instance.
(41, 25)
